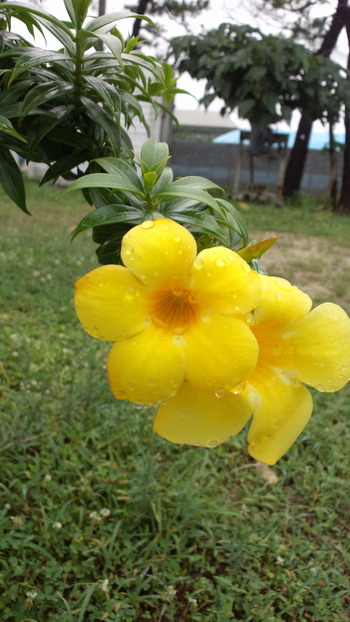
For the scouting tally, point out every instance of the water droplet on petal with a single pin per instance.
(213, 443)
(198, 264)
(320, 387)
(138, 406)
(180, 251)
(177, 238)
(220, 392)
(178, 340)
(147, 224)
(165, 228)
(220, 263)
(238, 388)
(152, 382)
(101, 284)
(129, 250)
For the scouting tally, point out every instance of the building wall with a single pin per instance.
(217, 162)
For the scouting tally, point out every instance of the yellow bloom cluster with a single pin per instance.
(212, 342)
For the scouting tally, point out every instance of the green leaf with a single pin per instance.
(197, 182)
(105, 120)
(109, 214)
(117, 166)
(7, 127)
(257, 249)
(191, 192)
(44, 93)
(164, 180)
(64, 165)
(105, 20)
(150, 179)
(154, 156)
(202, 224)
(77, 11)
(103, 180)
(11, 179)
(113, 44)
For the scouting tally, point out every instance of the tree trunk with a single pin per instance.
(141, 10)
(331, 198)
(298, 154)
(344, 200)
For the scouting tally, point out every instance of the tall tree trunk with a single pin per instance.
(298, 154)
(141, 10)
(344, 200)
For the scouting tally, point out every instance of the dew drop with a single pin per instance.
(94, 331)
(198, 264)
(220, 392)
(129, 250)
(147, 224)
(220, 263)
(238, 388)
(101, 284)
(138, 406)
(213, 443)
(152, 382)
(165, 228)
(180, 251)
(320, 387)
(147, 322)
(177, 238)
(178, 340)
(130, 293)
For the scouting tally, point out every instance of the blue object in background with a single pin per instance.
(318, 140)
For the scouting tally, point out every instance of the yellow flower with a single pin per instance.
(296, 346)
(173, 316)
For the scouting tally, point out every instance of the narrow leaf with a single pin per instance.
(11, 179)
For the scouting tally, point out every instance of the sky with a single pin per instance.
(237, 11)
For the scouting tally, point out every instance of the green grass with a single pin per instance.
(101, 519)
(302, 218)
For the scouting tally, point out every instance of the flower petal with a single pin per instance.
(147, 368)
(281, 413)
(321, 343)
(159, 252)
(280, 304)
(200, 418)
(223, 282)
(221, 352)
(110, 303)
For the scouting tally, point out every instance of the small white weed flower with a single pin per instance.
(105, 512)
(57, 525)
(105, 585)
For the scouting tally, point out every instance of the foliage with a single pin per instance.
(265, 77)
(70, 106)
(172, 9)
(191, 535)
(132, 198)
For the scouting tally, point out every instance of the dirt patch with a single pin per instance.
(312, 263)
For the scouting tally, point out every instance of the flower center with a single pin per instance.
(175, 309)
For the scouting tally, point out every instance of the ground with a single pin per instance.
(316, 265)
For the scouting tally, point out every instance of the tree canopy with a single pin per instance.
(265, 77)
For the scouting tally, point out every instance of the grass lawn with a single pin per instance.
(101, 519)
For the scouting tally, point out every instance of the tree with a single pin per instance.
(265, 77)
(173, 9)
(298, 155)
